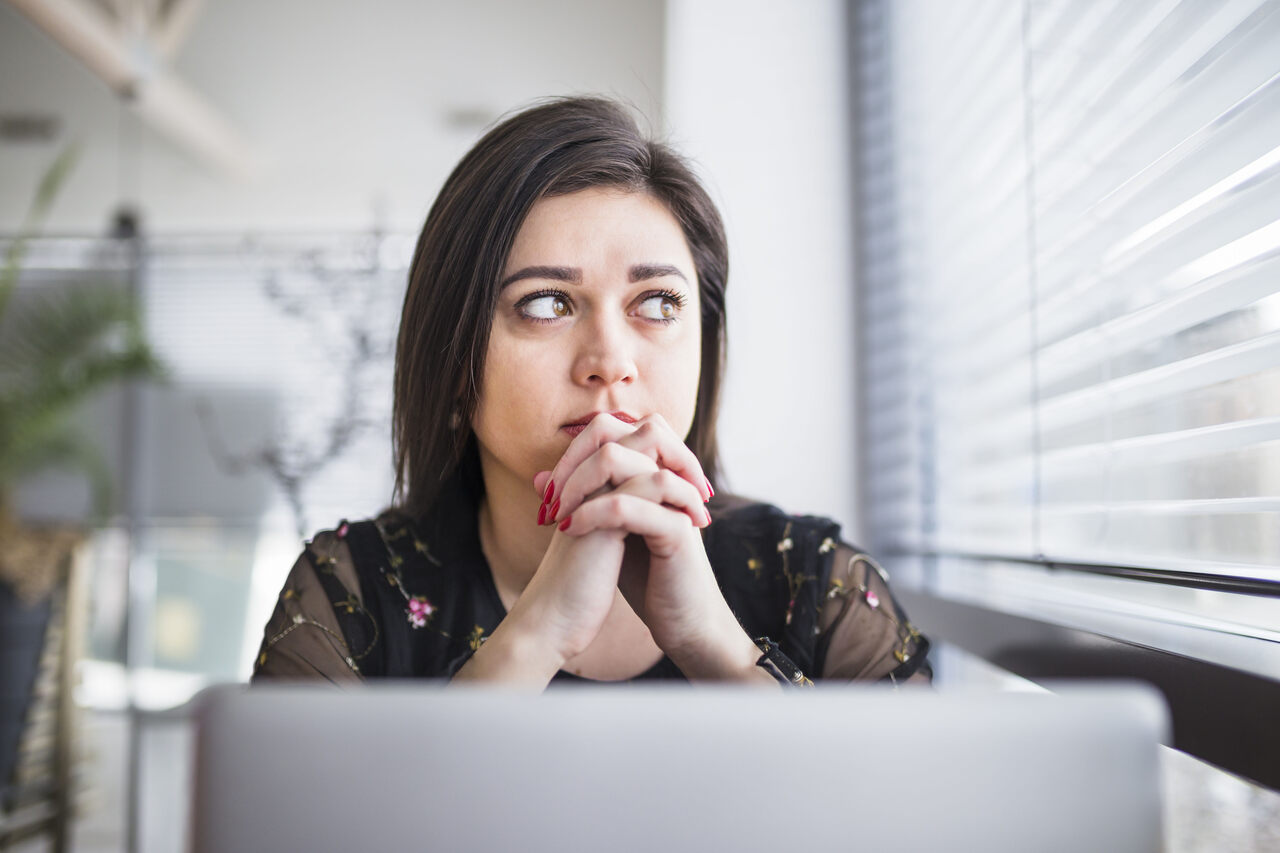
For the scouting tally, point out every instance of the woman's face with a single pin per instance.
(598, 312)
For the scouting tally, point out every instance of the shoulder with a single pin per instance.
(374, 545)
(757, 545)
(738, 518)
(354, 551)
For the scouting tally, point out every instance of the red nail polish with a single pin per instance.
(564, 525)
(542, 515)
(711, 490)
(550, 490)
(555, 508)
(708, 516)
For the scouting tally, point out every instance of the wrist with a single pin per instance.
(517, 654)
(727, 655)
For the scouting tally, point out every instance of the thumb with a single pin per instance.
(540, 482)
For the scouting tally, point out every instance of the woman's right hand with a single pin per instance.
(556, 617)
(565, 604)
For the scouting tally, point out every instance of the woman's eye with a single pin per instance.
(659, 307)
(548, 307)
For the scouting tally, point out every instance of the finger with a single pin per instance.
(654, 437)
(540, 481)
(603, 429)
(669, 489)
(663, 529)
(610, 466)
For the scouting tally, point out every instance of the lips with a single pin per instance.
(577, 426)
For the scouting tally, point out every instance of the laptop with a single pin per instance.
(676, 768)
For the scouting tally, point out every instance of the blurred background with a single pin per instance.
(1004, 302)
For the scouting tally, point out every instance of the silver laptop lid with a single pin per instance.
(670, 768)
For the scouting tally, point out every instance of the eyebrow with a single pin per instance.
(643, 272)
(570, 275)
(573, 275)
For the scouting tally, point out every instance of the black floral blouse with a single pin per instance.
(404, 598)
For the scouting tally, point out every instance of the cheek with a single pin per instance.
(513, 377)
(679, 384)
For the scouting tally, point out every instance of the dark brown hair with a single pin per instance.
(557, 147)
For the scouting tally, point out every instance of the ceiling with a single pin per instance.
(318, 114)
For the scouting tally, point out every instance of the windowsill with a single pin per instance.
(1227, 629)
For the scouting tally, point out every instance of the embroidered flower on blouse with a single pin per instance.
(785, 545)
(873, 600)
(419, 611)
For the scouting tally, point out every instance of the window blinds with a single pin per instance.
(1070, 270)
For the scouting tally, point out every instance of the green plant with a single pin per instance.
(58, 348)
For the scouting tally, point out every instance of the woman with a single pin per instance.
(557, 374)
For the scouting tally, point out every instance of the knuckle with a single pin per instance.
(599, 424)
(611, 425)
(645, 429)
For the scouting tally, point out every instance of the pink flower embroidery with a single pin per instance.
(873, 600)
(419, 611)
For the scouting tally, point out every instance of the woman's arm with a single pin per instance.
(864, 631)
(302, 639)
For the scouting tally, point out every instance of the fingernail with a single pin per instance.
(708, 517)
(710, 490)
(542, 515)
(550, 490)
(564, 525)
(555, 508)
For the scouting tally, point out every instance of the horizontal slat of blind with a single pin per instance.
(1241, 133)
(1239, 233)
(1170, 381)
(1154, 98)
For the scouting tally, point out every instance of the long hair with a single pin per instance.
(555, 148)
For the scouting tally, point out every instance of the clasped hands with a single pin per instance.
(628, 501)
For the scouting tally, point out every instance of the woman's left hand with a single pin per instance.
(643, 479)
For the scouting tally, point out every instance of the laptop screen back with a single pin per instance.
(670, 768)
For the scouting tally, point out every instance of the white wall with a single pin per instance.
(348, 104)
(756, 91)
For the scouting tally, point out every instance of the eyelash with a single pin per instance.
(539, 294)
(677, 299)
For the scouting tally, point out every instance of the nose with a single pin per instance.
(604, 354)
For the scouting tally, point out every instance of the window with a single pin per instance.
(1071, 268)
(1069, 272)
(273, 422)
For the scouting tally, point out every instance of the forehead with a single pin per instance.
(600, 226)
